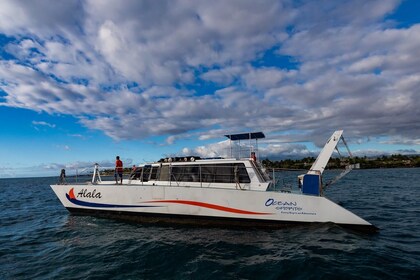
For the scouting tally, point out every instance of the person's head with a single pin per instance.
(118, 157)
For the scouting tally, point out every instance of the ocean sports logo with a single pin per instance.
(72, 198)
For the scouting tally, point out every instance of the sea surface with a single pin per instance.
(39, 239)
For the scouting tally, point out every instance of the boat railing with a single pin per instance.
(261, 170)
(284, 179)
(257, 171)
(198, 173)
(75, 177)
(86, 175)
(204, 174)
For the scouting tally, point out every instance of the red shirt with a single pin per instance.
(118, 165)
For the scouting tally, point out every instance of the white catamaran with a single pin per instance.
(234, 192)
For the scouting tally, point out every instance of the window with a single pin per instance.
(210, 173)
(185, 173)
(164, 173)
(154, 173)
(242, 173)
(146, 172)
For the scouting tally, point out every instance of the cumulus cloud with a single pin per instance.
(403, 141)
(229, 149)
(135, 70)
(219, 149)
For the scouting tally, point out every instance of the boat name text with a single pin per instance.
(89, 194)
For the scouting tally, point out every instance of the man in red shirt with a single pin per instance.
(118, 170)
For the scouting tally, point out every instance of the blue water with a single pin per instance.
(39, 239)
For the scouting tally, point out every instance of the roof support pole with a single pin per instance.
(250, 145)
(230, 144)
(239, 148)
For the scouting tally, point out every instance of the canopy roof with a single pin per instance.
(246, 136)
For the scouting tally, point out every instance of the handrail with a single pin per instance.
(262, 170)
(200, 173)
(257, 171)
(195, 173)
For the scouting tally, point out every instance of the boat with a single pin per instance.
(234, 192)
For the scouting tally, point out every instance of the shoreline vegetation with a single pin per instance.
(391, 161)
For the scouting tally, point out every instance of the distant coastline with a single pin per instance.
(392, 161)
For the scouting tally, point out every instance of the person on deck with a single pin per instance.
(133, 172)
(63, 177)
(253, 156)
(118, 170)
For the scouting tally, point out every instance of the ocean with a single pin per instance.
(40, 239)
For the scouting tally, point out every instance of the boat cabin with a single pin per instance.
(216, 173)
(235, 173)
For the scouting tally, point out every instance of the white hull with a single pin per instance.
(204, 205)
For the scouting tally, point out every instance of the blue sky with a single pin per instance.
(84, 81)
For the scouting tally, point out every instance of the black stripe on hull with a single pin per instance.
(193, 220)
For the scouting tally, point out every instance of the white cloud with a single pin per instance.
(264, 78)
(402, 141)
(219, 149)
(44, 16)
(224, 76)
(368, 64)
(42, 123)
(128, 70)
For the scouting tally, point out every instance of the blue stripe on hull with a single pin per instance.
(103, 205)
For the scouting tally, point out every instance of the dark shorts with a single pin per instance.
(118, 173)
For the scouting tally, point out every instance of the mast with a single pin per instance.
(321, 161)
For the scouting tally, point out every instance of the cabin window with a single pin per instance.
(208, 173)
(136, 174)
(177, 173)
(164, 173)
(219, 173)
(146, 173)
(242, 173)
(230, 173)
(185, 173)
(224, 174)
(154, 173)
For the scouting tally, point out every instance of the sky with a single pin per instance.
(84, 81)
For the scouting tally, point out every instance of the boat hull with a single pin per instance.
(205, 221)
(204, 206)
